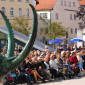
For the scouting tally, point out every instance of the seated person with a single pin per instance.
(80, 61)
(73, 58)
(32, 71)
(40, 64)
(83, 57)
(33, 63)
(52, 63)
(59, 61)
(21, 75)
(52, 71)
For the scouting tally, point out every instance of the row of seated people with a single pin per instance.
(55, 66)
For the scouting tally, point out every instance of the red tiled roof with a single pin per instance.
(45, 4)
(82, 2)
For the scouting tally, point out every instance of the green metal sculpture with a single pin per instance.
(9, 62)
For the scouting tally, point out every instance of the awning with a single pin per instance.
(23, 38)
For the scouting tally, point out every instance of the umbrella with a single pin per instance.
(75, 40)
(56, 41)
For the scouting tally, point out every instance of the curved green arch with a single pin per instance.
(30, 42)
(9, 63)
(11, 44)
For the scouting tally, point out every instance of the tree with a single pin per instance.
(21, 24)
(81, 15)
(53, 30)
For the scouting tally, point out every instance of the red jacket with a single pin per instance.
(73, 60)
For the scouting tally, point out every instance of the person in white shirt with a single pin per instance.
(52, 71)
(53, 63)
(80, 61)
(79, 57)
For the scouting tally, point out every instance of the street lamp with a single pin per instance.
(66, 37)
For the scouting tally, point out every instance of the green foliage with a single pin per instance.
(53, 30)
(3, 36)
(21, 24)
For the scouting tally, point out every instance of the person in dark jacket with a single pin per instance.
(31, 71)
(41, 68)
(40, 64)
(52, 71)
(83, 57)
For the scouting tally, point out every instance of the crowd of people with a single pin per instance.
(64, 62)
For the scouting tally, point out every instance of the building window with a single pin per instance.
(20, 12)
(61, 2)
(27, 1)
(76, 31)
(74, 17)
(19, 0)
(56, 16)
(41, 15)
(11, 0)
(71, 31)
(69, 4)
(11, 12)
(44, 15)
(64, 3)
(27, 12)
(70, 16)
(73, 4)
(4, 10)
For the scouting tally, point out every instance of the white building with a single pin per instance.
(58, 10)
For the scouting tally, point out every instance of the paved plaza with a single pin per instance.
(74, 81)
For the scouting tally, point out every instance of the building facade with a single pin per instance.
(60, 11)
(15, 8)
(12, 9)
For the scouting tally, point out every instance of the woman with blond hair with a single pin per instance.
(4, 52)
(80, 61)
(53, 63)
(31, 70)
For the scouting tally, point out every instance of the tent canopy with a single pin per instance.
(56, 41)
(75, 40)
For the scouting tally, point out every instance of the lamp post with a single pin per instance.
(66, 37)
